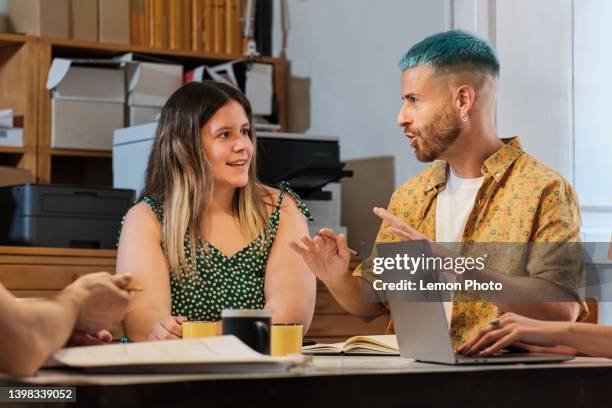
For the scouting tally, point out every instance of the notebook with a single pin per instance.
(358, 345)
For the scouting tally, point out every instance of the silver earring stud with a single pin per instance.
(464, 116)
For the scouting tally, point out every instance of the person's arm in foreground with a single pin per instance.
(565, 337)
(328, 257)
(140, 254)
(32, 331)
(290, 288)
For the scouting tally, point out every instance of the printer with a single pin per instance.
(311, 165)
(62, 216)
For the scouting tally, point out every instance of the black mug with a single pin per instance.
(252, 326)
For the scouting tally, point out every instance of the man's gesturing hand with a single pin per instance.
(327, 255)
(398, 227)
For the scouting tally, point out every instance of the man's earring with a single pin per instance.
(464, 116)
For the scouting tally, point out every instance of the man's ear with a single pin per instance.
(464, 98)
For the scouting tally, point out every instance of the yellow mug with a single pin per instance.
(286, 339)
(193, 330)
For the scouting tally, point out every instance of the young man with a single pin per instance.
(480, 189)
(32, 331)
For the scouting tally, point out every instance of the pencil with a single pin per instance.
(134, 289)
(352, 251)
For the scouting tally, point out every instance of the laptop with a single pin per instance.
(422, 334)
(422, 330)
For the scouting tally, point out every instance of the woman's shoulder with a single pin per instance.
(142, 217)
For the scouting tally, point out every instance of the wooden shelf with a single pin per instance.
(12, 150)
(8, 39)
(24, 65)
(82, 153)
(124, 48)
(110, 48)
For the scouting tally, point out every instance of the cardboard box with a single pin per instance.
(11, 137)
(48, 18)
(87, 125)
(87, 103)
(114, 21)
(150, 84)
(131, 149)
(6, 118)
(4, 26)
(138, 115)
(11, 176)
(372, 185)
(84, 20)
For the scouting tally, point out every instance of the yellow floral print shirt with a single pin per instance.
(520, 201)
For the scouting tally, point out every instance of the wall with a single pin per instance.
(593, 129)
(534, 42)
(347, 53)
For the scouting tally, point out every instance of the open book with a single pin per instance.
(372, 345)
(208, 354)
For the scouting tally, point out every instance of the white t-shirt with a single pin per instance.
(453, 208)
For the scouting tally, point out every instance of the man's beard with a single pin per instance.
(436, 136)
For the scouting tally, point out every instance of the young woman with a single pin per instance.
(206, 235)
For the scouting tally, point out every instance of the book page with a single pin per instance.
(380, 344)
(375, 345)
(385, 341)
(323, 348)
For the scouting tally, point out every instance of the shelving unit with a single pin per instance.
(24, 65)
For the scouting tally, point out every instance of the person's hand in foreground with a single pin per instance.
(33, 331)
(101, 300)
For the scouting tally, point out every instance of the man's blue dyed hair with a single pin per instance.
(450, 50)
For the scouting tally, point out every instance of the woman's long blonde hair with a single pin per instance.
(180, 177)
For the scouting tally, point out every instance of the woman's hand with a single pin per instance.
(169, 328)
(513, 330)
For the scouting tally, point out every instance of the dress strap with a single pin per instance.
(285, 188)
(155, 206)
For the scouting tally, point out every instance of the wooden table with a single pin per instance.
(352, 382)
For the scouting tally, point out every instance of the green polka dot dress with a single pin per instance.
(220, 282)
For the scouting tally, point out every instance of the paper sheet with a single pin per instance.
(213, 350)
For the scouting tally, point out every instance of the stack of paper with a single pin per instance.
(209, 354)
